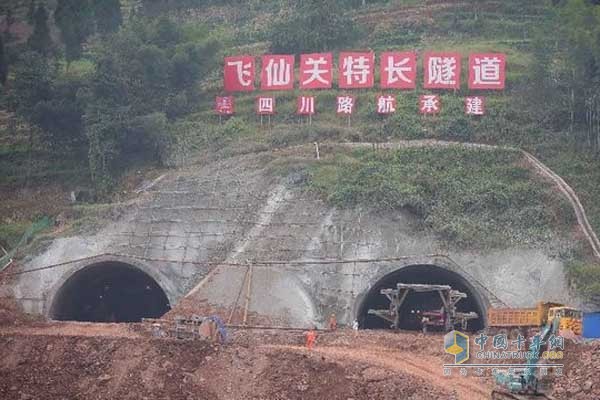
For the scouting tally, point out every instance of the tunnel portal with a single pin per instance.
(424, 274)
(109, 292)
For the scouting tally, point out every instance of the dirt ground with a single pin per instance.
(81, 360)
(107, 361)
(70, 360)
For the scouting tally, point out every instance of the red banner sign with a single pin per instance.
(224, 105)
(487, 71)
(429, 104)
(442, 70)
(345, 104)
(306, 105)
(238, 74)
(386, 104)
(316, 71)
(475, 105)
(265, 105)
(277, 72)
(356, 70)
(398, 70)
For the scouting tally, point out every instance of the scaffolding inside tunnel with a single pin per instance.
(411, 305)
(447, 318)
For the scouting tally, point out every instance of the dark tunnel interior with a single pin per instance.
(109, 292)
(425, 274)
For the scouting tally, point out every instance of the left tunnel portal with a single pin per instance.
(109, 292)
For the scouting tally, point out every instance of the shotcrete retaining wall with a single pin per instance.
(196, 228)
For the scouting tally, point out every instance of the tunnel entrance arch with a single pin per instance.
(423, 274)
(109, 291)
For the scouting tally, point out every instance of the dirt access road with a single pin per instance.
(107, 361)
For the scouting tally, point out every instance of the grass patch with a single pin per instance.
(585, 279)
(579, 169)
(468, 197)
(10, 234)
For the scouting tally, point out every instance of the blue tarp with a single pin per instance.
(591, 325)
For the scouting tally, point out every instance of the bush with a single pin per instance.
(308, 28)
(468, 197)
(585, 278)
(177, 105)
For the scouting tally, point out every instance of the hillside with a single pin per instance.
(510, 27)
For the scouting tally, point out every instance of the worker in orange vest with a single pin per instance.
(311, 337)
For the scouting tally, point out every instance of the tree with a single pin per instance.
(107, 14)
(75, 20)
(40, 40)
(307, 28)
(3, 63)
(8, 21)
(137, 90)
(31, 12)
(32, 85)
(566, 73)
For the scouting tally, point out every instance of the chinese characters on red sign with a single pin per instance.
(224, 105)
(474, 105)
(398, 70)
(429, 104)
(386, 104)
(356, 70)
(345, 105)
(277, 73)
(306, 105)
(265, 105)
(441, 70)
(238, 73)
(316, 71)
(487, 71)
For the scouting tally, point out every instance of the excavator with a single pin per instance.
(525, 383)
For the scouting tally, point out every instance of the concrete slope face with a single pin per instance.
(203, 241)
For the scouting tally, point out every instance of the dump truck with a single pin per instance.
(524, 321)
(570, 319)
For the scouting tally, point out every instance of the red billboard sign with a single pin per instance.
(442, 71)
(316, 71)
(356, 70)
(224, 105)
(429, 104)
(238, 73)
(277, 72)
(265, 105)
(475, 105)
(487, 71)
(398, 70)
(306, 105)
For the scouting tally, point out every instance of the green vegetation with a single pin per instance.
(469, 197)
(129, 84)
(585, 278)
(305, 28)
(40, 40)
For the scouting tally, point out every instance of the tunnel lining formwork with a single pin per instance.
(423, 273)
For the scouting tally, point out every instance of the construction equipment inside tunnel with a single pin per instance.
(109, 292)
(417, 304)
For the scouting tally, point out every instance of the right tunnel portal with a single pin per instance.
(416, 303)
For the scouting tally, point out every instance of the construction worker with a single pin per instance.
(424, 323)
(311, 337)
(332, 322)
(355, 327)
